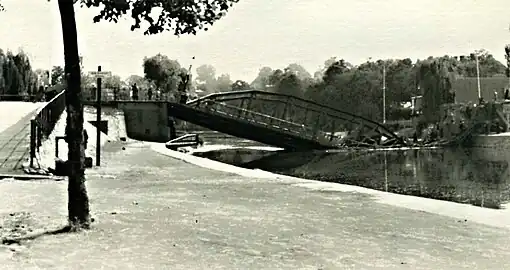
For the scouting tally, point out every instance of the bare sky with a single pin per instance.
(273, 33)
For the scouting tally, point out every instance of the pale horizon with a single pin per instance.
(255, 34)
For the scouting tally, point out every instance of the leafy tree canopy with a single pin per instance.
(224, 83)
(163, 72)
(57, 75)
(179, 16)
(240, 85)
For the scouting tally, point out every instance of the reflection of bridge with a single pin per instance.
(280, 120)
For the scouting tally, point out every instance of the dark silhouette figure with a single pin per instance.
(40, 94)
(184, 98)
(149, 94)
(507, 93)
(85, 138)
(135, 92)
(115, 94)
(182, 88)
(171, 125)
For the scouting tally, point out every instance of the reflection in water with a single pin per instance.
(478, 177)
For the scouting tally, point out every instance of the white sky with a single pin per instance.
(273, 33)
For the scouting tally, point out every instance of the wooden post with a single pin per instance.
(33, 142)
(38, 135)
(98, 120)
(99, 75)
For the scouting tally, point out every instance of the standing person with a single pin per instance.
(149, 93)
(171, 126)
(183, 85)
(135, 92)
(184, 98)
(85, 138)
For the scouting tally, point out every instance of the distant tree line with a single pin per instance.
(358, 89)
(338, 83)
(17, 79)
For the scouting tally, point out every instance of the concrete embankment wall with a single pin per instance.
(235, 156)
(116, 129)
(497, 141)
(146, 121)
(116, 125)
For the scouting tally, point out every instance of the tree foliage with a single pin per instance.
(240, 85)
(358, 89)
(286, 82)
(163, 72)
(223, 83)
(433, 77)
(299, 71)
(140, 81)
(179, 17)
(261, 82)
(17, 78)
(57, 75)
(206, 78)
(112, 82)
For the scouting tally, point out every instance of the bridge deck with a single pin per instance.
(15, 146)
(252, 130)
(279, 120)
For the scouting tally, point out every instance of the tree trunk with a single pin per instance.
(78, 202)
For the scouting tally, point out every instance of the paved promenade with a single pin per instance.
(15, 138)
(155, 212)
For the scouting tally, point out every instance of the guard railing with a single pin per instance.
(43, 123)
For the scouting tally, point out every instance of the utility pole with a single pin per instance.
(507, 57)
(99, 75)
(384, 93)
(478, 76)
(98, 119)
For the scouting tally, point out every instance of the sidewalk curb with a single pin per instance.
(28, 177)
(491, 217)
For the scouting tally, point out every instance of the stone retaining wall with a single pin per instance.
(491, 141)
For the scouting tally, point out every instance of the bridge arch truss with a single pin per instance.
(297, 117)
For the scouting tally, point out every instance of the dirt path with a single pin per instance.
(154, 212)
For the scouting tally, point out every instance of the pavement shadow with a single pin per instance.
(32, 236)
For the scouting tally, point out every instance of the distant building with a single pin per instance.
(466, 88)
(416, 105)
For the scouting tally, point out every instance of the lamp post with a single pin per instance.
(384, 93)
(507, 57)
(478, 76)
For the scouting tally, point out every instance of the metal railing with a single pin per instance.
(43, 123)
(268, 121)
(25, 97)
(108, 95)
(298, 110)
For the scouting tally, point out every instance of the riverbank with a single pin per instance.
(158, 212)
(492, 217)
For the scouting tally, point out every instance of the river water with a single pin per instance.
(472, 176)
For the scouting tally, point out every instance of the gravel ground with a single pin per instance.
(156, 212)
